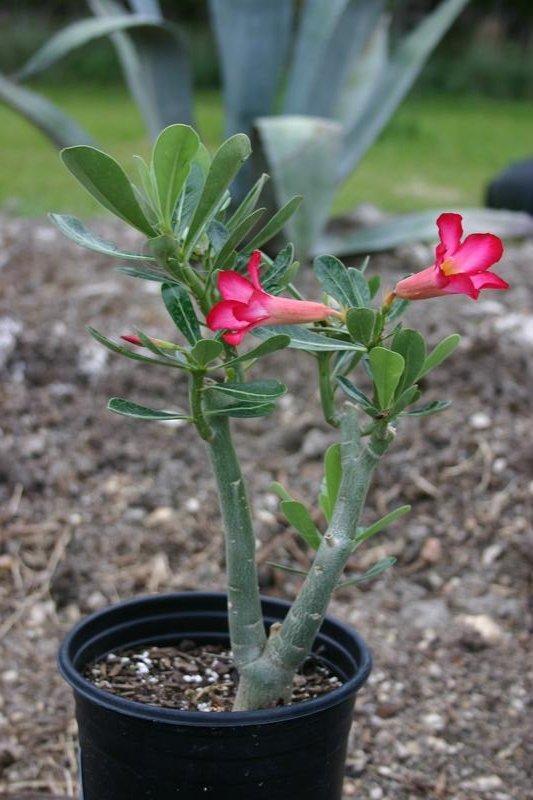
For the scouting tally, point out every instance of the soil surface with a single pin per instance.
(192, 677)
(97, 508)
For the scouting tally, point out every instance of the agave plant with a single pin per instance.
(315, 95)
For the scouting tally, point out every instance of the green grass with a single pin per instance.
(436, 152)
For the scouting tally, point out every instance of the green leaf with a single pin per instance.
(60, 129)
(429, 408)
(299, 517)
(411, 345)
(332, 479)
(387, 368)
(248, 204)
(359, 287)
(270, 345)
(180, 308)
(241, 410)
(357, 395)
(335, 280)
(128, 409)
(145, 274)
(382, 523)
(274, 225)
(74, 229)
(360, 323)
(440, 353)
(408, 396)
(173, 152)
(277, 489)
(370, 574)
(237, 235)
(397, 309)
(304, 339)
(106, 181)
(225, 164)
(280, 273)
(373, 285)
(253, 391)
(125, 351)
(207, 350)
(286, 568)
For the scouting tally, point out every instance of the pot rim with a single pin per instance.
(132, 708)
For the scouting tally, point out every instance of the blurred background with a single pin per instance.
(468, 116)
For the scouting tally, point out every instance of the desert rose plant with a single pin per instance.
(221, 290)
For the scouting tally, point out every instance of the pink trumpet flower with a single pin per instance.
(245, 305)
(461, 267)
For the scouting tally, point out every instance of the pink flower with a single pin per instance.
(245, 305)
(461, 267)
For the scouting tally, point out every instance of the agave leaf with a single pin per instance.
(363, 73)
(318, 21)
(402, 71)
(302, 153)
(253, 38)
(155, 64)
(54, 123)
(345, 48)
(420, 227)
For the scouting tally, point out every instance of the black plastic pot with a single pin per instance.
(132, 751)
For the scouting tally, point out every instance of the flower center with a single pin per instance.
(448, 267)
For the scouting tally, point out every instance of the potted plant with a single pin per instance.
(243, 726)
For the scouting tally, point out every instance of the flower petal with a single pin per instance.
(478, 252)
(253, 269)
(450, 231)
(233, 286)
(488, 280)
(223, 315)
(234, 337)
(461, 284)
(254, 310)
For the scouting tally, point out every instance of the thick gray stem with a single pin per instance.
(247, 632)
(289, 646)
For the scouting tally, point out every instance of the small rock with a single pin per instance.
(192, 504)
(492, 553)
(92, 360)
(376, 793)
(487, 628)
(434, 722)
(160, 516)
(356, 766)
(480, 421)
(432, 550)
(9, 331)
(483, 783)
(388, 709)
(315, 443)
(421, 614)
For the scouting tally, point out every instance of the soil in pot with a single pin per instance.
(192, 677)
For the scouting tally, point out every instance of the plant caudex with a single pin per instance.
(182, 205)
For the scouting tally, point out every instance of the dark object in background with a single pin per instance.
(513, 188)
(131, 750)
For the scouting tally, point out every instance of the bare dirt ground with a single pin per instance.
(96, 508)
